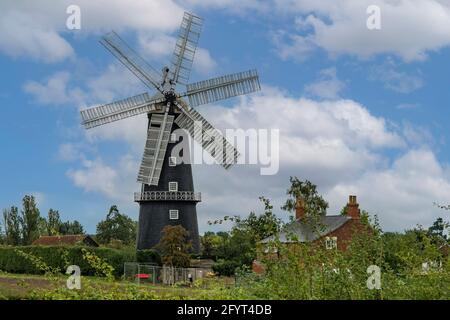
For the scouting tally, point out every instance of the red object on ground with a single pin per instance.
(142, 276)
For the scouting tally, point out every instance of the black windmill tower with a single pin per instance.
(167, 194)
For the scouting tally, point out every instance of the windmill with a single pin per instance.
(167, 194)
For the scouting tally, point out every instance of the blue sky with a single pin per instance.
(359, 111)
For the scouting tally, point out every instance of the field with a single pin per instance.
(19, 286)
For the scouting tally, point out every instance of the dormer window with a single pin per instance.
(331, 243)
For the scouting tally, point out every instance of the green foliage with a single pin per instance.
(53, 223)
(148, 256)
(30, 220)
(116, 226)
(226, 267)
(11, 222)
(238, 247)
(38, 263)
(101, 267)
(305, 191)
(175, 246)
(60, 257)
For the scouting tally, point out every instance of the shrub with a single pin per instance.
(148, 256)
(226, 267)
(59, 257)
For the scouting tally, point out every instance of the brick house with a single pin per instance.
(335, 231)
(68, 240)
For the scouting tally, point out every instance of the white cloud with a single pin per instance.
(403, 194)
(36, 29)
(55, 90)
(338, 145)
(410, 29)
(23, 35)
(397, 81)
(69, 152)
(328, 86)
(96, 176)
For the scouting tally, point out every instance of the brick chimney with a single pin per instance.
(353, 208)
(299, 208)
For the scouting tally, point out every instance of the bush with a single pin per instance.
(148, 256)
(226, 267)
(59, 256)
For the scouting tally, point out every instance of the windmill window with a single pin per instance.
(331, 243)
(173, 137)
(173, 186)
(173, 214)
(172, 161)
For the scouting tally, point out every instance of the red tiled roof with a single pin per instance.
(60, 240)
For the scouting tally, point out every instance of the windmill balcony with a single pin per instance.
(167, 195)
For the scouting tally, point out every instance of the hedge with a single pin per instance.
(12, 262)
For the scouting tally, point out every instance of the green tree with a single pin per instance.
(30, 220)
(306, 191)
(175, 246)
(238, 248)
(68, 227)
(438, 230)
(116, 226)
(12, 224)
(53, 223)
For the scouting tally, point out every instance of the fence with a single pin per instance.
(142, 273)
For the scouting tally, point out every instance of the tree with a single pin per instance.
(238, 247)
(11, 223)
(438, 229)
(116, 226)
(313, 202)
(30, 220)
(175, 246)
(53, 223)
(68, 227)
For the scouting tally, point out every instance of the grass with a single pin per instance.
(23, 286)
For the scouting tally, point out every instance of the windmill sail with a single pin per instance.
(209, 138)
(184, 52)
(221, 88)
(155, 148)
(149, 76)
(119, 110)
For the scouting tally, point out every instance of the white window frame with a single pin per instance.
(173, 186)
(173, 137)
(174, 214)
(172, 161)
(331, 243)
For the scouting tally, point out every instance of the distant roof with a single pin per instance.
(65, 240)
(304, 232)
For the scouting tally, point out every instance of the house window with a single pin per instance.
(173, 137)
(331, 243)
(173, 186)
(172, 161)
(173, 214)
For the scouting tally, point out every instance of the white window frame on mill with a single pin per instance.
(174, 214)
(173, 186)
(330, 243)
(172, 161)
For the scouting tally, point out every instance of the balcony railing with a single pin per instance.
(167, 195)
